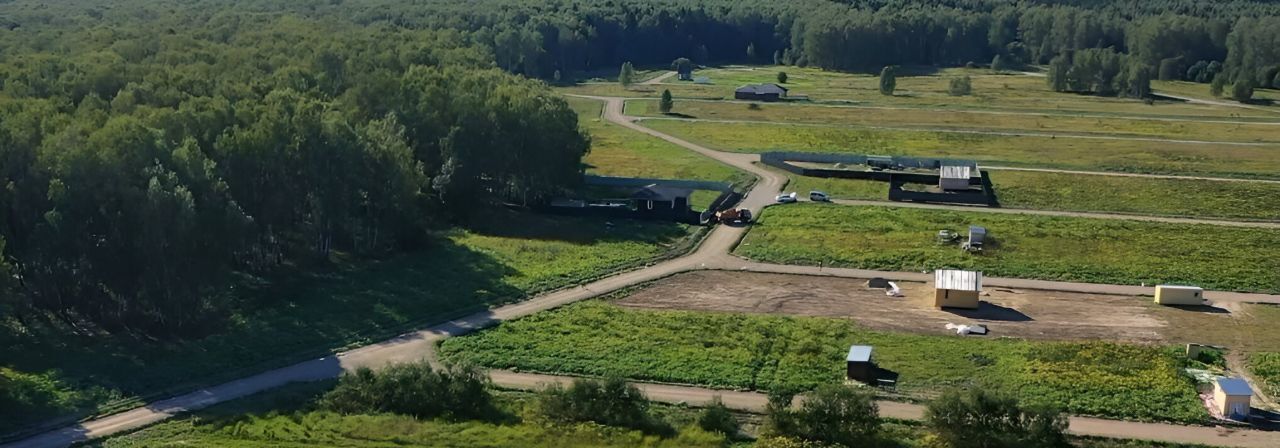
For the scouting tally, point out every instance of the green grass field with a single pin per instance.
(1022, 246)
(969, 120)
(923, 88)
(352, 303)
(1044, 152)
(1265, 367)
(762, 352)
(617, 151)
(287, 418)
(1105, 194)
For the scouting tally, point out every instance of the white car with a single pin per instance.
(787, 198)
(818, 196)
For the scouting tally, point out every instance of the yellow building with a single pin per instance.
(956, 289)
(1231, 398)
(1179, 295)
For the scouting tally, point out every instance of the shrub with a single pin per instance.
(666, 103)
(960, 86)
(753, 106)
(833, 413)
(611, 402)
(717, 418)
(782, 77)
(1242, 90)
(413, 389)
(979, 419)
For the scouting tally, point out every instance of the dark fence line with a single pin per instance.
(782, 159)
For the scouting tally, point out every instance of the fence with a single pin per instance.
(895, 179)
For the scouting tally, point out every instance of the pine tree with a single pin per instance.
(888, 80)
(666, 103)
(627, 75)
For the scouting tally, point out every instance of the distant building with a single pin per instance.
(760, 92)
(859, 366)
(654, 201)
(685, 74)
(953, 177)
(1179, 295)
(1231, 397)
(956, 289)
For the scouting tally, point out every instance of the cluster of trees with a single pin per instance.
(140, 165)
(1102, 71)
(837, 415)
(460, 393)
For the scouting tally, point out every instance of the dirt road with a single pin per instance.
(713, 253)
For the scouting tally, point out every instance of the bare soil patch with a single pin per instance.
(1034, 314)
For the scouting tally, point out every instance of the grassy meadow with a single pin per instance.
(1045, 123)
(1265, 367)
(617, 151)
(1104, 194)
(318, 310)
(1022, 246)
(920, 87)
(763, 352)
(288, 418)
(1030, 151)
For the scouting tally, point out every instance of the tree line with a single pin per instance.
(141, 166)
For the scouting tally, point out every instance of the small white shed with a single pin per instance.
(1231, 397)
(954, 177)
(1179, 295)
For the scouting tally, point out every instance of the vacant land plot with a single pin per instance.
(1023, 246)
(770, 352)
(1046, 152)
(1031, 314)
(1086, 193)
(617, 151)
(514, 255)
(1012, 92)
(966, 120)
(1268, 97)
(1265, 367)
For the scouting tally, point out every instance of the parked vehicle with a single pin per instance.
(787, 198)
(734, 215)
(818, 196)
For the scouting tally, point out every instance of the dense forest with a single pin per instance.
(149, 148)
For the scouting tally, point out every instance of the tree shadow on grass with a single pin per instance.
(507, 223)
(287, 318)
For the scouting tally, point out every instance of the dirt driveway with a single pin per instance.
(1033, 314)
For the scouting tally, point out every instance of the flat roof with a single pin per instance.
(1188, 288)
(957, 280)
(1234, 386)
(859, 353)
(955, 172)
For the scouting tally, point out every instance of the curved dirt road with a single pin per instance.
(711, 254)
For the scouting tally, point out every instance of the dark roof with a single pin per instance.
(1234, 386)
(763, 89)
(655, 192)
(859, 353)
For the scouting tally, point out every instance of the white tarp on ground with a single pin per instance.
(893, 290)
(967, 329)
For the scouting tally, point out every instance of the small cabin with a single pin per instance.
(654, 201)
(1179, 295)
(859, 366)
(1231, 398)
(954, 177)
(760, 92)
(977, 236)
(956, 289)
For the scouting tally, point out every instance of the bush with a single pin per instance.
(1242, 90)
(611, 402)
(960, 86)
(753, 106)
(413, 389)
(717, 418)
(979, 419)
(833, 413)
(782, 77)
